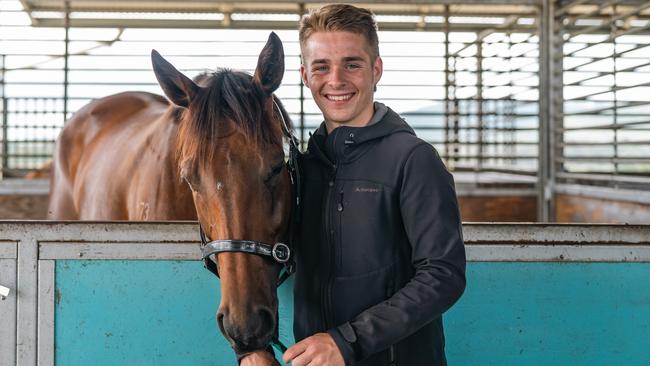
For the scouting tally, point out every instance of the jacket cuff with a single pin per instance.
(345, 339)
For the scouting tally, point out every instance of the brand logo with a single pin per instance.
(366, 190)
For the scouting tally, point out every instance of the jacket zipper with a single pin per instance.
(330, 241)
(391, 354)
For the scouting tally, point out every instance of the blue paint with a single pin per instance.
(142, 313)
(552, 314)
(162, 313)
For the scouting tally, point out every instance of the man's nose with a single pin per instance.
(337, 77)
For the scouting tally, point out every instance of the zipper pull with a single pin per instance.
(339, 207)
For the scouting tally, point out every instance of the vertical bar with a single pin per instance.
(27, 303)
(302, 11)
(545, 173)
(447, 86)
(5, 117)
(302, 114)
(613, 31)
(46, 312)
(479, 100)
(8, 313)
(65, 60)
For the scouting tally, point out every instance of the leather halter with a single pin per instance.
(281, 253)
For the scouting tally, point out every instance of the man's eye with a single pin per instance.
(319, 69)
(353, 66)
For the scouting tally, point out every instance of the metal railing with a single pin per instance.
(471, 89)
(476, 102)
(604, 138)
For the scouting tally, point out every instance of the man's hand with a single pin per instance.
(317, 350)
(259, 358)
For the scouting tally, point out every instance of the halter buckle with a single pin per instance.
(281, 252)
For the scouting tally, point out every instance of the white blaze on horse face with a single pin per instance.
(220, 186)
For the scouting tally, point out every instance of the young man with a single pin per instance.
(381, 253)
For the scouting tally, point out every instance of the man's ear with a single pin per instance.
(378, 69)
(177, 87)
(303, 75)
(270, 65)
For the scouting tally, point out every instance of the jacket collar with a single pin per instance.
(340, 145)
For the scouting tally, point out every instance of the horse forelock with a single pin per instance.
(228, 97)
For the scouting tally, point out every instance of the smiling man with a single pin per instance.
(381, 254)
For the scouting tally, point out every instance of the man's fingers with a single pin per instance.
(293, 351)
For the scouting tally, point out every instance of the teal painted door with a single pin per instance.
(163, 313)
(142, 313)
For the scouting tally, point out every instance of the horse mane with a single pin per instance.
(227, 95)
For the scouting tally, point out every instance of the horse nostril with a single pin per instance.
(266, 319)
(220, 319)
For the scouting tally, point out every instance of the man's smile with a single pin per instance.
(339, 97)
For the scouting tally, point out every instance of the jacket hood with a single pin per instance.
(345, 143)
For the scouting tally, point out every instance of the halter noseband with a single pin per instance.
(279, 252)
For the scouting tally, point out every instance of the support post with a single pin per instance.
(550, 81)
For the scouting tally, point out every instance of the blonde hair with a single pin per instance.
(341, 17)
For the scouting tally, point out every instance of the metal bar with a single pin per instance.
(66, 58)
(123, 250)
(604, 73)
(612, 20)
(614, 89)
(565, 8)
(639, 142)
(557, 253)
(46, 313)
(596, 59)
(8, 321)
(545, 182)
(641, 180)
(5, 116)
(591, 13)
(608, 193)
(614, 159)
(26, 331)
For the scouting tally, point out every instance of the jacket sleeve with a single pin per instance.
(431, 218)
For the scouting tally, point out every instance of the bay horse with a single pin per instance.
(215, 154)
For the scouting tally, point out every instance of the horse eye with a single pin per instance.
(275, 171)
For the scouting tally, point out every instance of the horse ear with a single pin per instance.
(177, 87)
(270, 65)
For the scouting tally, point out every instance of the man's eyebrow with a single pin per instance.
(353, 58)
(320, 61)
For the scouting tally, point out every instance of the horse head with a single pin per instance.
(230, 153)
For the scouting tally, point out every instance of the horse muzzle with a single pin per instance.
(251, 332)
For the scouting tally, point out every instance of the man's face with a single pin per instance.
(341, 74)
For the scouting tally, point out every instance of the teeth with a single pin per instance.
(339, 98)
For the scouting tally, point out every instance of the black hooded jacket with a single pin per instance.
(380, 254)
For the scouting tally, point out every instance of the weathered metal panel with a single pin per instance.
(558, 253)
(516, 314)
(8, 249)
(142, 313)
(8, 313)
(45, 353)
(27, 303)
(121, 250)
